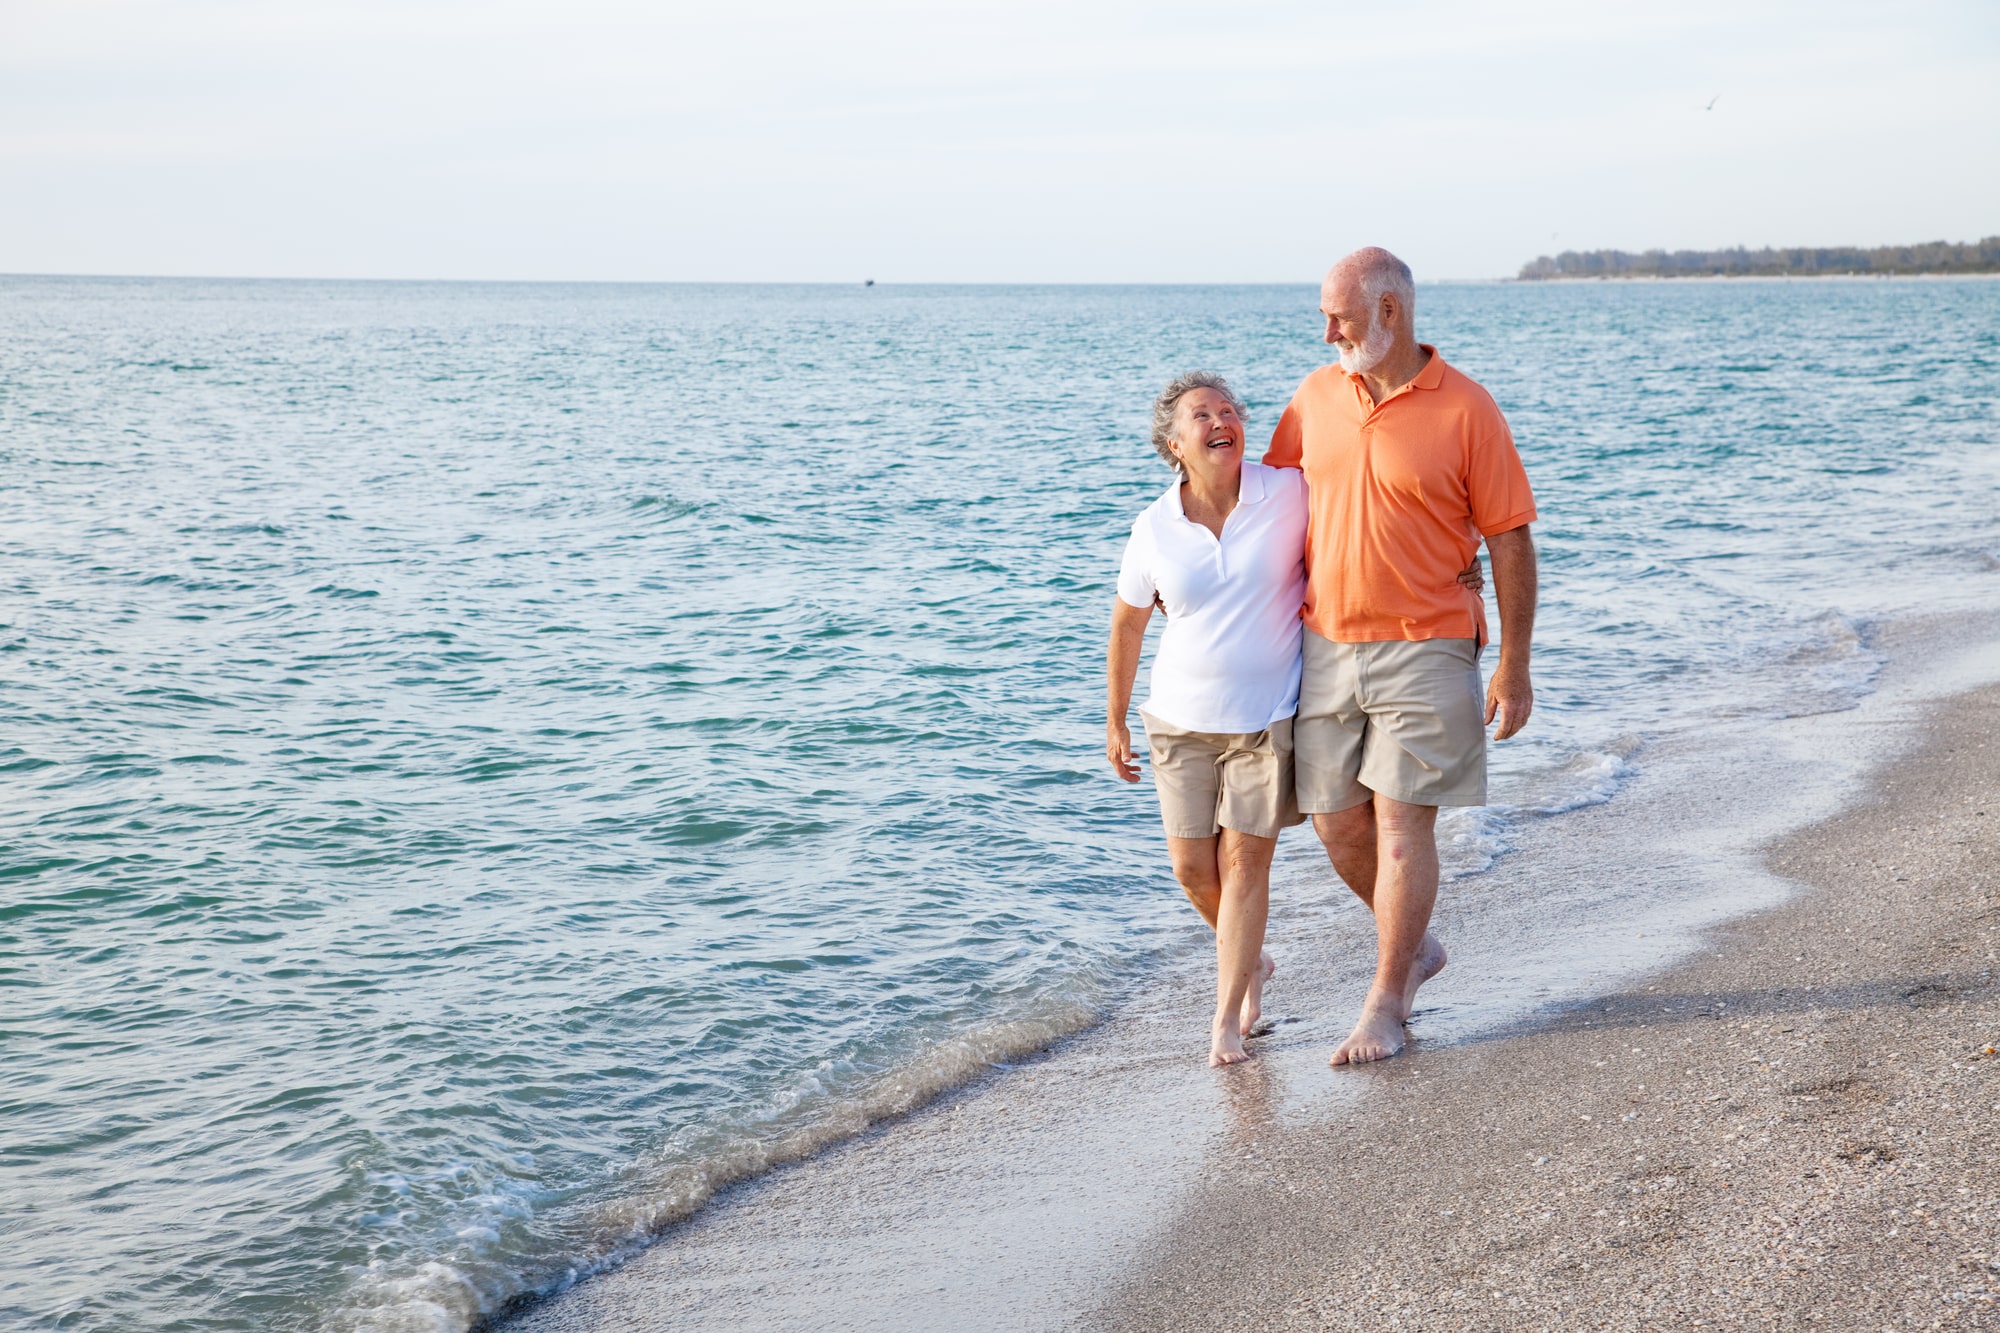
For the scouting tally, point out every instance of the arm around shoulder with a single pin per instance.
(1287, 449)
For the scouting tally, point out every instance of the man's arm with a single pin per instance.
(1287, 441)
(1510, 696)
(1128, 636)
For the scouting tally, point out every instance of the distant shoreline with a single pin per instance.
(1987, 274)
(1926, 259)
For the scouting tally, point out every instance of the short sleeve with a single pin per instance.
(1292, 484)
(1135, 576)
(1286, 450)
(1496, 485)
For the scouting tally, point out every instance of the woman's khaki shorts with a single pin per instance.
(1209, 781)
(1406, 719)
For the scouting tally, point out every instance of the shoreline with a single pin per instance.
(1798, 1126)
(1044, 1186)
(1748, 277)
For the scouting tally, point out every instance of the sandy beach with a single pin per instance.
(1795, 1130)
(1794, 1127)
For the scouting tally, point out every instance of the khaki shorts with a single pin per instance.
(1407, 720)
(1209, 781)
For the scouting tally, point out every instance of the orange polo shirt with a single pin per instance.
(1400, 493)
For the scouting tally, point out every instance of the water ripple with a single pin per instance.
(489, 766)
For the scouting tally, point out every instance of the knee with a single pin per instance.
(1352, 829)
(1241, 862)
(1398, 821)
(1198, 878)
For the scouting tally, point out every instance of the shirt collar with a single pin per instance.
(1252, 490)
(1432, 374)
(1429, 377)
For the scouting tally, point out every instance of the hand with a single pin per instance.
(1510, 698)
(1472, 576)
(1118, 749)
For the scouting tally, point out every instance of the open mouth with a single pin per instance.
(1222, 442)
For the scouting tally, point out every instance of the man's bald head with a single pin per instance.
(1369, 300)
(1377, 273)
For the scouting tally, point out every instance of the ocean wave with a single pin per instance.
(1472, 839)
(477, 1280)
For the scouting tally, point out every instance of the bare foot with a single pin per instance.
(1226, 1048)
(1430, 961)
(1377, 1036)
(1253, 999)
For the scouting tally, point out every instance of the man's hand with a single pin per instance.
(1510, 697)
(1472, 577)
(1118, 749)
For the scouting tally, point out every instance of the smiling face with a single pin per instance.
(1358, 327)
(1208, 435)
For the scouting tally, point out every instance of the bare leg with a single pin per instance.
(1245, 865)
(1200, 877)
(1406, 884)
(1351, 838)
(1198, 865)
(1253, 999)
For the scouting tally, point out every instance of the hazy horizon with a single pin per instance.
(1111, 143)
(1307, 283)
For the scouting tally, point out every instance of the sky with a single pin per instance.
(1024, 141)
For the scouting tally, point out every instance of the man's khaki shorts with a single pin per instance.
(1407, 720)
(1209, 781)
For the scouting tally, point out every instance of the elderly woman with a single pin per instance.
(1223, 553)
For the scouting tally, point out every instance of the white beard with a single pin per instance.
(1362, 357)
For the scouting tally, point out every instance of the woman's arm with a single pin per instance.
(1128, 636)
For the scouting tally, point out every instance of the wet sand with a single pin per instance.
(1728, 1141)
(1799, 1128)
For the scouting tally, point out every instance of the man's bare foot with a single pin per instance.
(1377, 1036)
(1253, 999)
(1430, 961)
(1226, 1047)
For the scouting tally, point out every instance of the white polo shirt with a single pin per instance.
(1229, 660)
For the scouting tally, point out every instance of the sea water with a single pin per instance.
(489, 765)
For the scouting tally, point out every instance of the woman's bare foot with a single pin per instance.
(1253, 999)
(1430, 961)
(1225, 1046)
(1377, 1036)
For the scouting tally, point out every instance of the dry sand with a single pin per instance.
(1795, 1130)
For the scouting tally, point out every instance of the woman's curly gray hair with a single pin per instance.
(1169, 402)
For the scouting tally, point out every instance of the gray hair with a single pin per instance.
(1382, 274)
(1169, 402)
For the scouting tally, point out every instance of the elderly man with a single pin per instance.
(1408, 464)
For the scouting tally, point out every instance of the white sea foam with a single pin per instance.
(819, 1108)
(1471, 839)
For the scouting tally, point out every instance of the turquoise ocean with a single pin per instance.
(488, 766)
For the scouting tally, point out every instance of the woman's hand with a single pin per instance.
(1472, 577)
(1121, 666)
(1118, 749)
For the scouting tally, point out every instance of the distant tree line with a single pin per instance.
(1932, 257)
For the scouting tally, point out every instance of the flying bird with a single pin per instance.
(1712, 101)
